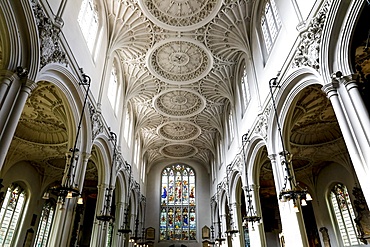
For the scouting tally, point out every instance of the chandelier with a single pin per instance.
(68, 188)
(291, 189)
(251, 215)
(106, 213)
(126, 228)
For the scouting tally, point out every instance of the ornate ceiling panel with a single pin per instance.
(179, 61)
(180, 15)
(180, 103)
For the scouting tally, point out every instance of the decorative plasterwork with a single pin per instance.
(179, 103)
(43, 117)
(179, 131)
(178, 150)
(308, 51)
(179, 60)
(96, 121)
(50, 49)
(314, 122)
(180, 15)
(227, 33)
(130, 32)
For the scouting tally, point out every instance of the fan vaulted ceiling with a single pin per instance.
(178, 59)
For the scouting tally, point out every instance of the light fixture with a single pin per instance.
(46, 196)
(106, 213)
(80, 200)
(68, 188)
(291, 189)
(126, 228)
(230, 226)
(251, 215)
(219, 240)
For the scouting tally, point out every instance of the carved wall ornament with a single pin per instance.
(96, 121)
(308, 51)
(50, 49)
(261, 125)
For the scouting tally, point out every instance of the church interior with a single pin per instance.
(184, 123)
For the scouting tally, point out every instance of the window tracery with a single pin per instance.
(344, 215)
(10, 213)
(270, 24)
(178, 203)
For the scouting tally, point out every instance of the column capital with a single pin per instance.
(331, 88)
(272, 157)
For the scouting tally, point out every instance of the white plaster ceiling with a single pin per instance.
(179, 59)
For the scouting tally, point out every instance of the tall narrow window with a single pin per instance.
(344, 215)
(178, 212)
(114, 90)
(88, 22)
(270, 24)
(246, 95)
(231, 126)
(46, 219)
(10, 213)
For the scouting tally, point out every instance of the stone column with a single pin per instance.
(7, 77)
(358, 114)
(14, 112)
(292, 223)
(357, 158)
(235, 210)
(99, 228)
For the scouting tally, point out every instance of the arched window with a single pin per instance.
(231, 126)
(178, 212)
(114, 90)
(344, 215)
(10, 213)
(46, 219)
(244, 87)
(88, 22)
(270, 24)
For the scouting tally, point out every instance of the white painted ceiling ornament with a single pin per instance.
(180, 15)
(179, 61)
(179, 131)
(178, 150)
(179, 103)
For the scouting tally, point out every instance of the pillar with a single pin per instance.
(11, 109)
(293, 228)
(357, 158)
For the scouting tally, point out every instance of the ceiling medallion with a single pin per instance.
(178, 150)
(179, 131)
(179, 103)
(179, 61)
(180, 15)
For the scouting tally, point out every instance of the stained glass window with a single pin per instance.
(10, 213)
(44, 227)
(178, 211)
(344, 215)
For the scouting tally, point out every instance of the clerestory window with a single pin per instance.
(178, 201)
(88, 22)
(244, 86)
(270, 24)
